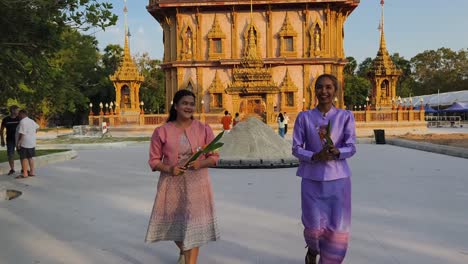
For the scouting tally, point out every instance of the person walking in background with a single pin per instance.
(9, 124)
(26, 144)
(236, 120)
(183, 210)
(286, 121)
(226, 121)
(281, 125)
(326, 183)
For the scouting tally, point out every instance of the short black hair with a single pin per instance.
(13, 108)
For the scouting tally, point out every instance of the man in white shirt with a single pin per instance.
(26, 143)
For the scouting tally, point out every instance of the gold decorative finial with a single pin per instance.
(251, 11)
(383, 45)
(125, 16)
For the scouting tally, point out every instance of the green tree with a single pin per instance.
(405, 82)
(364, 67)
(152, 90)
(72, 77)
(356, 90)
(442, 69)
(351, 66)
(32, 33)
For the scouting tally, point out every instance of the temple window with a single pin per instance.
(289, 44)
(289, 99)
(287, 38)
(216, 38)
(217, 46)
(218, 100)
(216, 91)
(288, 93)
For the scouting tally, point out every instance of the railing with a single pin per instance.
(401, 115)
(154, 119)
(397, 115)
(146, 119)
(443, 121)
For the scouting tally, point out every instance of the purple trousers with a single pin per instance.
(326, 216)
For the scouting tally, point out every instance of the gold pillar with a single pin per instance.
(174, 43)
(269, 37)
(270, 117)
(305, 24)
(235, 103)
(199, 49)
(328, 69)
(180, 78)
(327, 13)
(340, 95)
(118, 91)
(199, 88)
(307, 95)
(234, 49)
(167, 41)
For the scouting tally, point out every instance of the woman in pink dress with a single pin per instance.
(183, 210)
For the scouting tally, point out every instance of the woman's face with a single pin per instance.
(185, 107)
(325, 91)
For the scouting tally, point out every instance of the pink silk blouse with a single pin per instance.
(164, 144)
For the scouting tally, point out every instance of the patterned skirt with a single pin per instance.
(183, 210)
(326, 215)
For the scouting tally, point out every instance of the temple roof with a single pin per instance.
(171, 3)
(127, 70)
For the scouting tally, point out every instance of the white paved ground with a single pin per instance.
(409, 207)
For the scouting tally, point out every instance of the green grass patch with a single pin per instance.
(91, 140)
(39, 152)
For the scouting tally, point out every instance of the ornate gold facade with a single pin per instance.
(383, 74)
(256, 59)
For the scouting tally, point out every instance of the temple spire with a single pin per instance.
(127, 33)
(251, 11)
(383, 45)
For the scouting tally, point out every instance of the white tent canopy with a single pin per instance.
(439, 99)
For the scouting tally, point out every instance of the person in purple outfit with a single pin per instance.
(326, 183)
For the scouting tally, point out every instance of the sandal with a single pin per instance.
(21, 176)
(31, 175)
(11, 172)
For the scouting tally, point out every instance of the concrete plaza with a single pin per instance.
(409, 207)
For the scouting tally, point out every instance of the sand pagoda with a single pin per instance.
(253, 144)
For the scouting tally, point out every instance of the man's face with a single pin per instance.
(21, 115)
(14, 112)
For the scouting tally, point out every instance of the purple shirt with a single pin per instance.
(307, 142)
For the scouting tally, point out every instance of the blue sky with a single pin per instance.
(411, 26)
